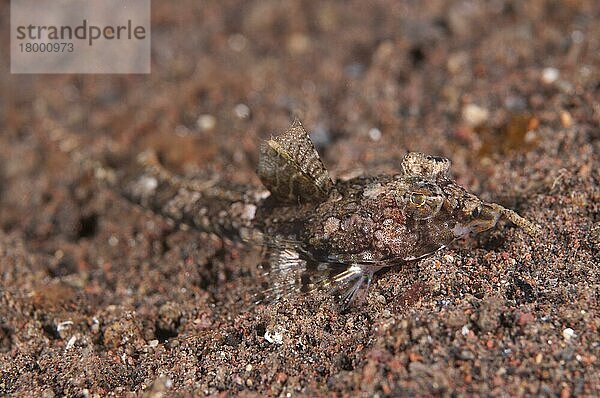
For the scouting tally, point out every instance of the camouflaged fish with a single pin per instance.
(321, 234)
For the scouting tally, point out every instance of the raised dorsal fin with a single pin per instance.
(290, 167)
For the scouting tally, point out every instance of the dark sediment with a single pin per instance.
(101, 297)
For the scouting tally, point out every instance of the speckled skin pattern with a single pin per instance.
(324, 234)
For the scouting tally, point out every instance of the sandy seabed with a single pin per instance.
(99, 297)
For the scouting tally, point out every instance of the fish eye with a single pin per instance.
(422, 206)
(417, 199)
(476, 212)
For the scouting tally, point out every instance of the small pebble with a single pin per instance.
(566, 119)
(48, 393)
(568, 334)
(538, 358)
(577, 36)
(274, 336)
(375, 134)
(71, 343)
(182, 131)
(242, 111)
(206, 122)
(550, 75)
(148, 184)
(475, 115)
(113, 241)
(95, 327)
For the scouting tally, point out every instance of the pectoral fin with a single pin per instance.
(291, 169)
(290, 269)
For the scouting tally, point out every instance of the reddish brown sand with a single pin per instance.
(99, 297)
